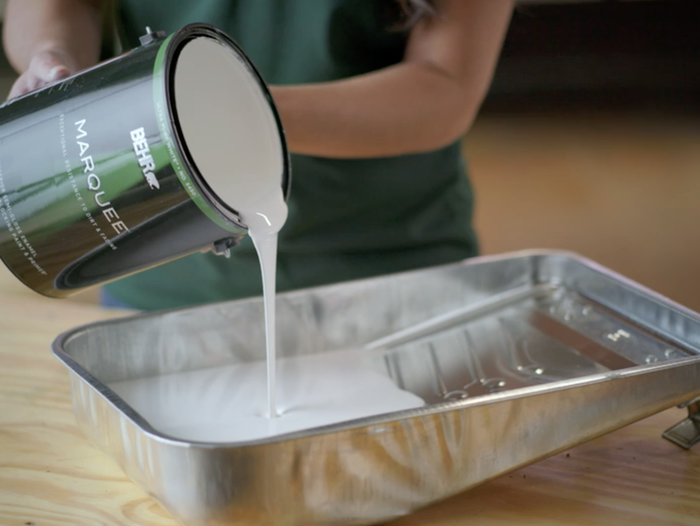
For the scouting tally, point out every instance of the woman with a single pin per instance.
(374, 96)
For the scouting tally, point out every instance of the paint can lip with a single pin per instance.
(175, 46)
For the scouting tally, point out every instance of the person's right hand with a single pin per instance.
(45, 68)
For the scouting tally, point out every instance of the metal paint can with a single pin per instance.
(96, 179)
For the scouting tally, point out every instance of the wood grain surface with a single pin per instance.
(50, 475)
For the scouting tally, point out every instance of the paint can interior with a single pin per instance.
(138, 161)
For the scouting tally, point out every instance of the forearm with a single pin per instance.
(424, 103)
(35, 26)
(407, 108)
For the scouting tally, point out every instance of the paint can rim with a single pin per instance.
(175, 44)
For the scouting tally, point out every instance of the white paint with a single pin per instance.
(231, 132)
(234, 140)
(228, 404)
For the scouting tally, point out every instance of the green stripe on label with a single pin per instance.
(166, 134)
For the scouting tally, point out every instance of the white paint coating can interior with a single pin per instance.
(231, 132)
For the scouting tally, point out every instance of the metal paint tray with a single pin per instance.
(517, 357)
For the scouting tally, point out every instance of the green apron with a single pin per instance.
(348, 219)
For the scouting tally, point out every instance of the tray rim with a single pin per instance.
(116, 402)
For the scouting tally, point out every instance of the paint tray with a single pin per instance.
(515, 358)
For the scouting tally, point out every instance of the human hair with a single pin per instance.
(414, 10)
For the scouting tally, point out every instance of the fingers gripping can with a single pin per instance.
(96, 177)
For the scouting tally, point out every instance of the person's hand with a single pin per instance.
(45, 68)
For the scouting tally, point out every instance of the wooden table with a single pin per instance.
(50, 475)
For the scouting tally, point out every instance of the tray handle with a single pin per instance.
(686, 433)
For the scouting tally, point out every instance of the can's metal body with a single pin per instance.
(95, 178)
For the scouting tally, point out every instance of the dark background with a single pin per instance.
(600, 54)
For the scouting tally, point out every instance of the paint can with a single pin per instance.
(97, 180)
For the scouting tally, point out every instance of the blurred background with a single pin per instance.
(589, 140)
